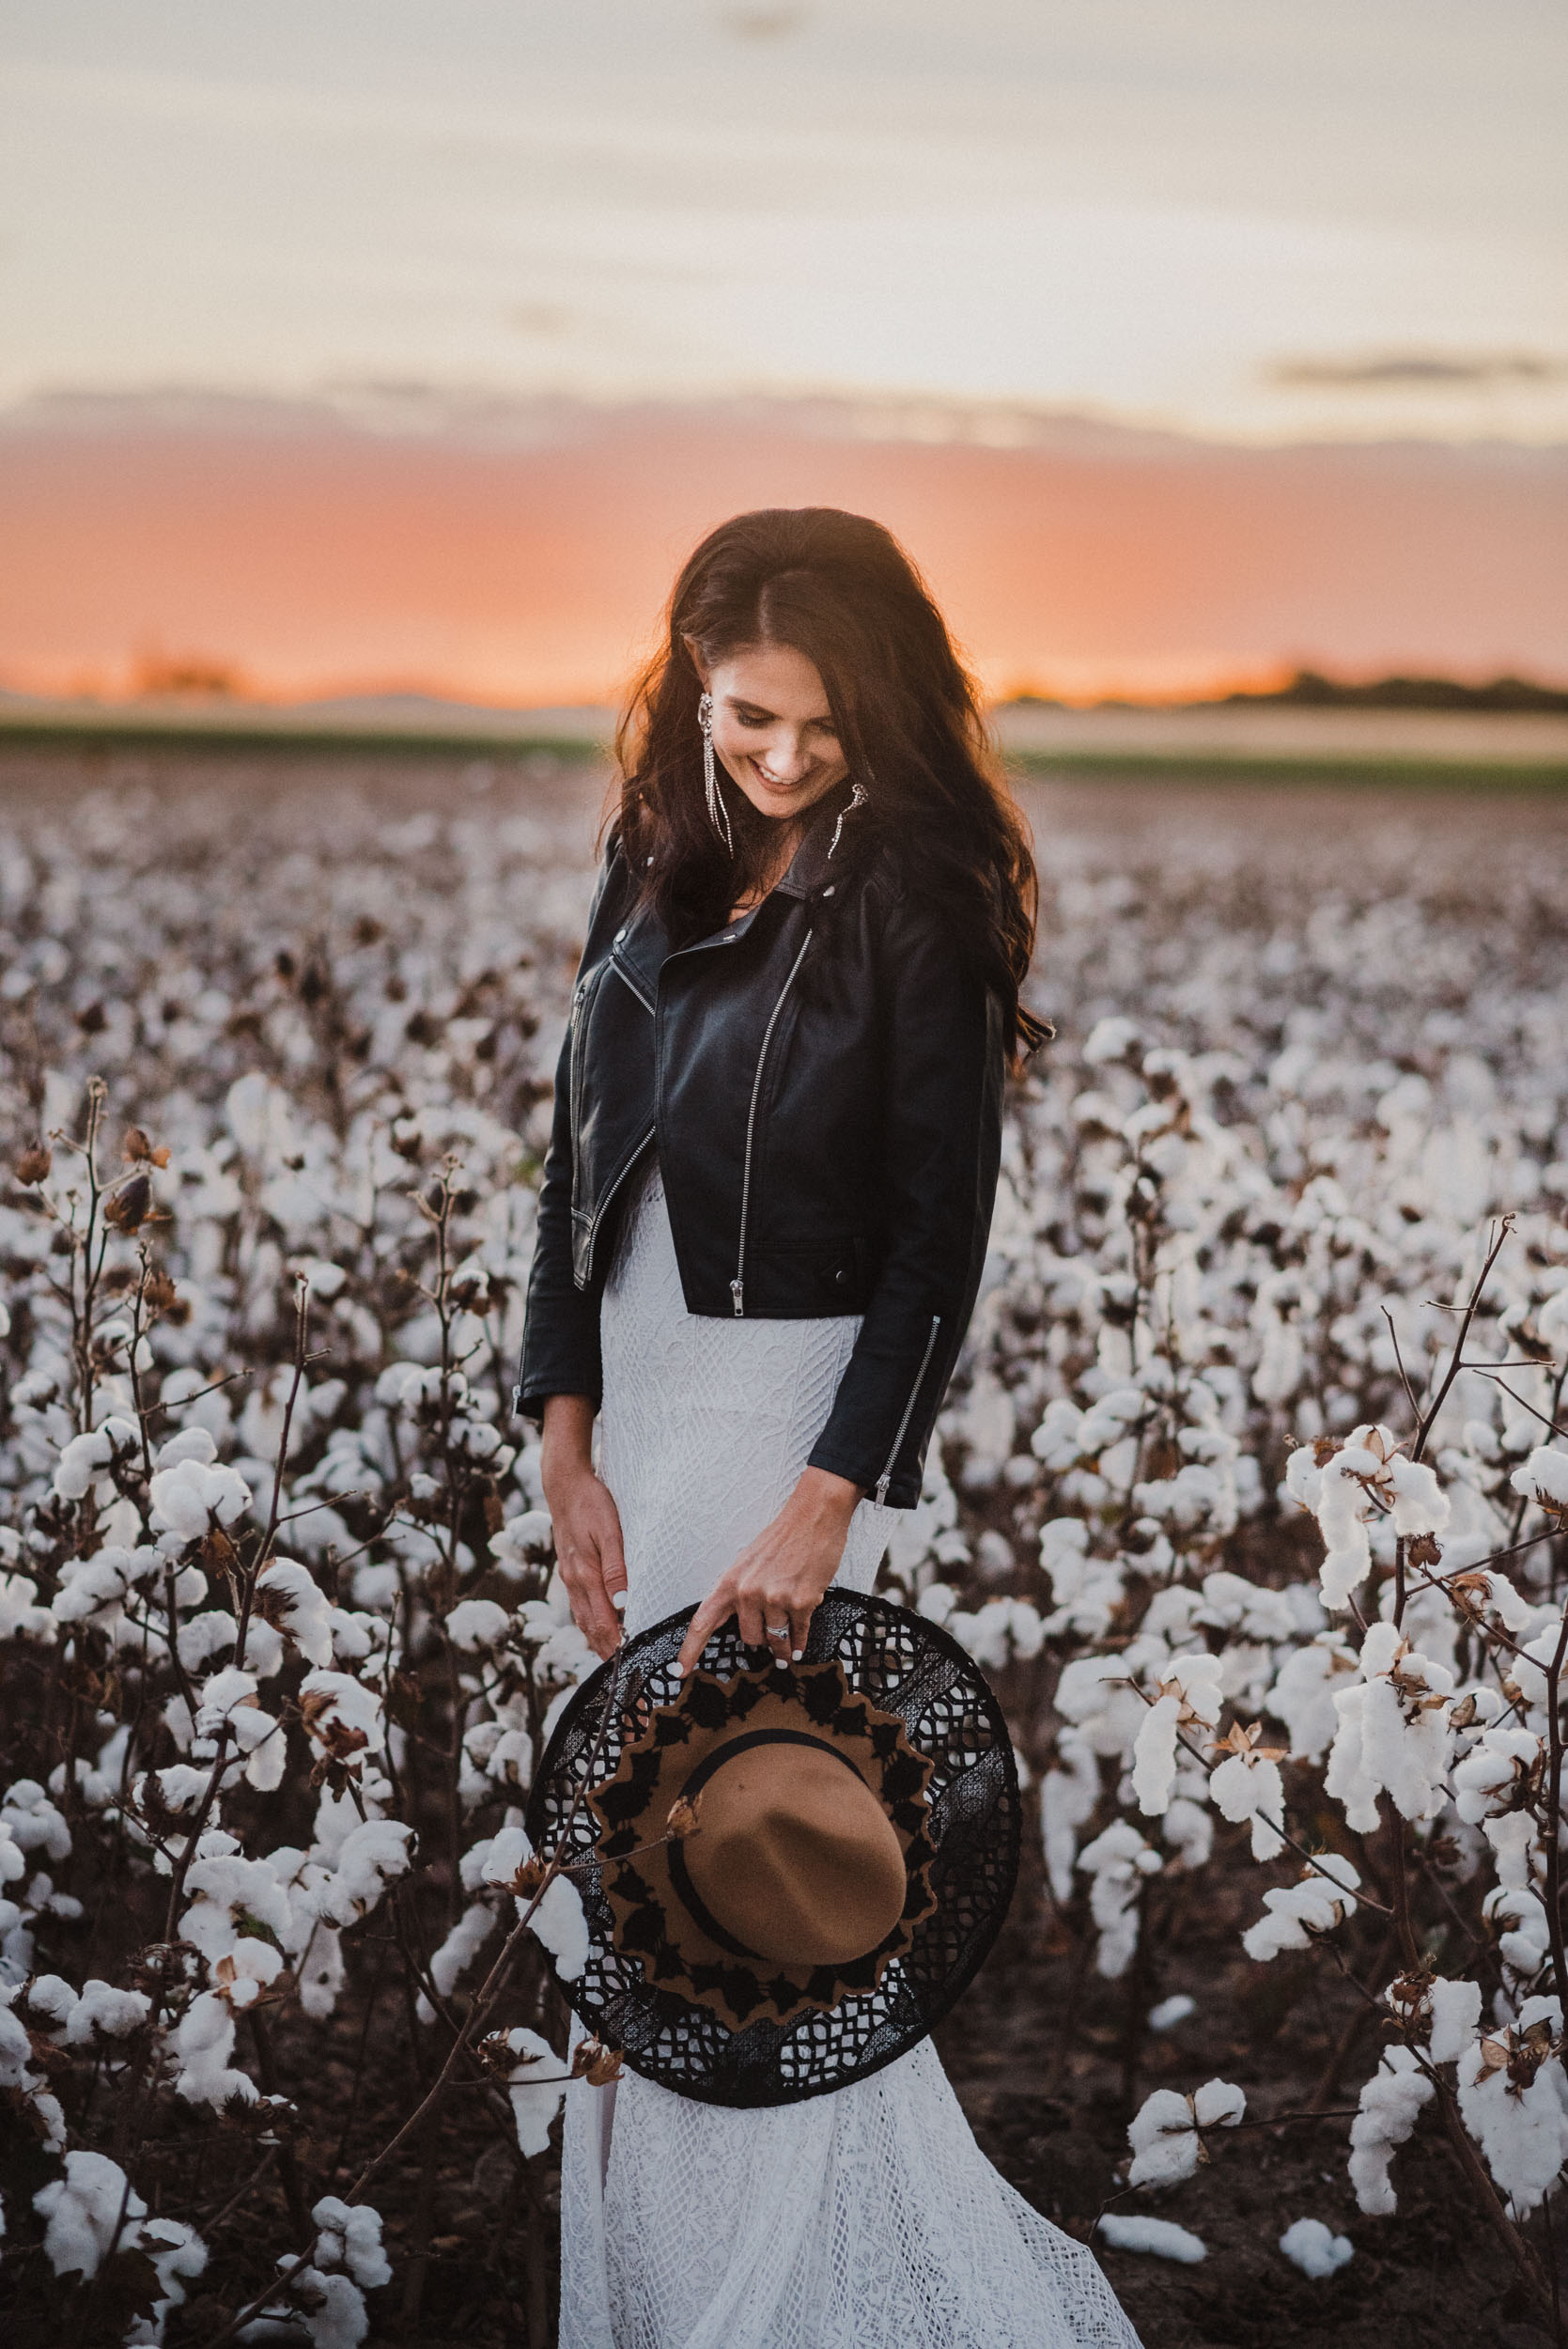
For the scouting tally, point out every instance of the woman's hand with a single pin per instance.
(775, 1583)
(588, 1547)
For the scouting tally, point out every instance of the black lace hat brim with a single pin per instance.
(903, 1666)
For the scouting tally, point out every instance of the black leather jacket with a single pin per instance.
(823, 1081)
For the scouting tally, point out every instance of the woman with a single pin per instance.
(761, 1225)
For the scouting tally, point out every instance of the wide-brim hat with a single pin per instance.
(788, 1875)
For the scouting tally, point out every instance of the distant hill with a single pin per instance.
(1309, 689)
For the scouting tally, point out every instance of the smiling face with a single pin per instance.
(772, 728)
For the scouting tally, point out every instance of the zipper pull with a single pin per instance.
(738, 1290)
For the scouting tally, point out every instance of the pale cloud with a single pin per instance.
(1187, 215)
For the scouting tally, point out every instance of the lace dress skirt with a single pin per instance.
(864, 2219)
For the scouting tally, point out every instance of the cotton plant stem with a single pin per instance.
(1472, 1306)
(1554, 1810)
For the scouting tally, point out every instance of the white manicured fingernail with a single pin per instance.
(798, 1653)
(678, 1669)
(617, 1600)
(781, 1663)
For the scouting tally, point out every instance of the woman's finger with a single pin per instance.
(716, 1609)
(749, 1614)
(800, 1624)
(590, 1605)
(613, 1565)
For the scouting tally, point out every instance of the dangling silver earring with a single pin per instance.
(718, 814)
(857, 798)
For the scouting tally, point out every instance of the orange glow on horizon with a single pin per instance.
(306, 562)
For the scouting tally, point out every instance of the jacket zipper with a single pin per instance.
(599, 1210)
(623, 972)
(738, 1286)
(886, 1477)
(581, 996)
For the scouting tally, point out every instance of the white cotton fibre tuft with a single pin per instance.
(1316, 2248)
(1162, 2237)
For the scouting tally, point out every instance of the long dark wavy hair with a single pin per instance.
(841, 590)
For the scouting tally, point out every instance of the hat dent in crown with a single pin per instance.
(795, 1856)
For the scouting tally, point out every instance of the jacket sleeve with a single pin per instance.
(943, 1069)
(560, 1327)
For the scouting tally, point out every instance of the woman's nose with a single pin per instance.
(787, 757)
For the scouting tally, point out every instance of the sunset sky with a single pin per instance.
(328, 327)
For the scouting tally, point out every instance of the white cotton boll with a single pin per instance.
(371, 1857)
(86, 1458)
(457, 1953)
(202, 2042)
(475, 1624)
(339, 2319)
(1347, 1782)
(1456, 2014)
(333, 1701)
(1057, 1443)
(1164, 2141)
(536, 2087)
(1068, 1796)
(349, 2238)
(103, 2011)
(561, 1924)
(16, 2050)
(1304, 1478)
(1389, 2103)
(1218, 2105)
(1254, 1791)
(190, 1499)
(180, 2256)
(1544, 1477)
(1316, 2248)
(51, 1996)
(32, 1821)
(1188, 1828)
(1303, 1692)
(289, 1597)
(1420, 1505)
(1512, 1839)
(1153, 1765)
(1161, 2237)
(203, 1636)
(1199, 1678)
(192, 1443)
(1523, 2133)
(1171, 2011)
(21, 1616)
(88, 2211)
(1297, 1911)
(523, 1544)
(1485, 1780)
(1115, 1861)
(1112, 1038)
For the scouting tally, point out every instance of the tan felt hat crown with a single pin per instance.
(796, 1859)
(808, 1862)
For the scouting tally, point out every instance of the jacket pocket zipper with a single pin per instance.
(579, 998)
(738, 1286)
(886, 1477)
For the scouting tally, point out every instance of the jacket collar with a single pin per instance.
(642, 942)
(809, 867)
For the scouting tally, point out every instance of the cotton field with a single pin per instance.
(1253, 1495)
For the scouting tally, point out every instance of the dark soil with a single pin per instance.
(1037, 2052)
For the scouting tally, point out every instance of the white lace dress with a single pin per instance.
(864, 2219)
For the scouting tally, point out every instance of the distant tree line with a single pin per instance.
(1310, 689)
